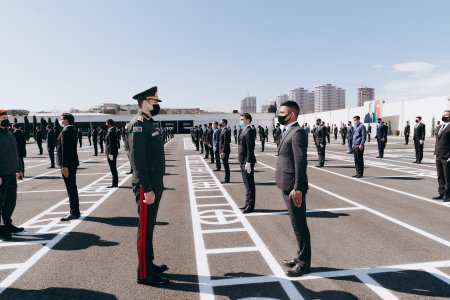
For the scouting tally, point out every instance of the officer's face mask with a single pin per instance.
(282, 119)
(155, 110)
(5, 123)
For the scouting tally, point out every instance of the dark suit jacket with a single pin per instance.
(224, 141)
(292, 160)
(111, 142)
(94, 135)
(320, 135)
(66, 148)
(419, 132)
(51, 139)
(407, 129)
(381, 133)
(21, 143)
(246, 147)
(442, 148)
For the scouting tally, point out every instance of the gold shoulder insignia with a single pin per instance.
(141, 118)
(155, 133)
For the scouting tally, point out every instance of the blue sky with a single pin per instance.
(211, 54)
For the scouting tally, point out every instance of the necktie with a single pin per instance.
(442, 129)
(283, 133)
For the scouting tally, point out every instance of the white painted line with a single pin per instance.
(13, 244)
(43, 191)
(213, 196)
(375, 286)
(212, 205)
(244, 280)
(285, 212)
(10, 266)
(231, 250)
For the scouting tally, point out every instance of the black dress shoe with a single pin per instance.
(298, 270)
(130, 172)
(419, 162)
(225, 181)
(446, 199)
(248, 210)
(289, 262)
(160, 268)
(415, 162)
(70, 217)
(243, 207)
(51, 167)
(439, 197)
(154, 280)
(359, 176)
(13, 229)
(355, 175)
(111, 186)
(216, 170)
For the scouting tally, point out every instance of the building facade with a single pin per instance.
(248, 105)
(304, 99)
(328, 97)
(365, 94)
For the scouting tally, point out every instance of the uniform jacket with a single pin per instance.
(224, 141)
(146, 152)
(111, 142)
(292, 161)
(66, 148)
(246, 146)
(51, 138)
(442, 148)
(21, 143)
(9, 158)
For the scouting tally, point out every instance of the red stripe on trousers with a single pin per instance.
(142, 233)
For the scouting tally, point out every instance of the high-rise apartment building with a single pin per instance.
(281, 99)
(304, 99)
(248, 105)
(328, 97)
(365, 94)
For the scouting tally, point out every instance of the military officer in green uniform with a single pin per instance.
(148, 163)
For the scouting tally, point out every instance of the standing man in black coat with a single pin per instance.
(320, 140)
(235, 134)
(89, 135)
(442, 156)
(406, 132)
(95, 140)
(101, 138)
(328, 132)
(224, 148)
(419, 138)
(381, 137)
(51, 145)
(21, 144)
(111, 149)
(67, 159)
(205, 140)
(262, 137)
(292, 180)
(247, 160)
(335, 131)
(80, 137)
(266, 133)
(200, 137)
(369, 132)
(39, 137)
(209, 137)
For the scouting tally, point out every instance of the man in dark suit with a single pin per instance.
(80, 137)
(235, 134)
(224, 148)
(406, 132)
(369, 132)
(320, 140)
(262, 137)
(349, 132)
(381, 137)
(209, 137)
(277, 135)
(343, 132)
(148, 161)
(442, 154)
(39, 137)
(51, 144)
(247, 160)
(111, 149)
(292, 180)
(419, 138)
(359, 139)
(200, 137)
(21, 144)
(95, 140)
(205, 140)
(328, 132)
(101, 138)
(335, 131)
(89, 135)
(266, 133)
(215, 144)
(67, 159)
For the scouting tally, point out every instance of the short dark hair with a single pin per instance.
(224, 121)
(357, 118)
(319, 120)
(69, 117)
(50, 126)
(292, 105)
(247, 116)
(110, 122)
(419, 117)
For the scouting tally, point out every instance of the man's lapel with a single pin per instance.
(286, 135)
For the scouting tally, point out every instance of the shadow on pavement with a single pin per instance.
(55, 293)
(81, 240)
(115, 221)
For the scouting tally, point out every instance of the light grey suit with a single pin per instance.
(291, 175)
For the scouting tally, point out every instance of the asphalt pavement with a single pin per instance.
(381, 236)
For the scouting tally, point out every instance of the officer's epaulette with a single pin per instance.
(140, 118)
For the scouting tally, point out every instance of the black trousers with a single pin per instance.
(328, 138)
(443, 173)
(80, 141)
(381, 146)
(72, 190)
(8, 197)
(297, 216)
(147, 221)
(335, 136)
(419, 150)
(113, 167)
(321, 154)
(226, 166)
(368, 137)
(249, 182)
(206, 151)
(263, 140)
(343, 138)
(89, 139)
(217, 155)
(196, 145)
(39, 144)
(95, 148)
(211, 153)
(407, 138)
(101, 146)
(358, 155)
(201, 147)
(23, 164)
(235, 139)
(51, 154)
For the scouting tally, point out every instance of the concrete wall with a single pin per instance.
(395, 112)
